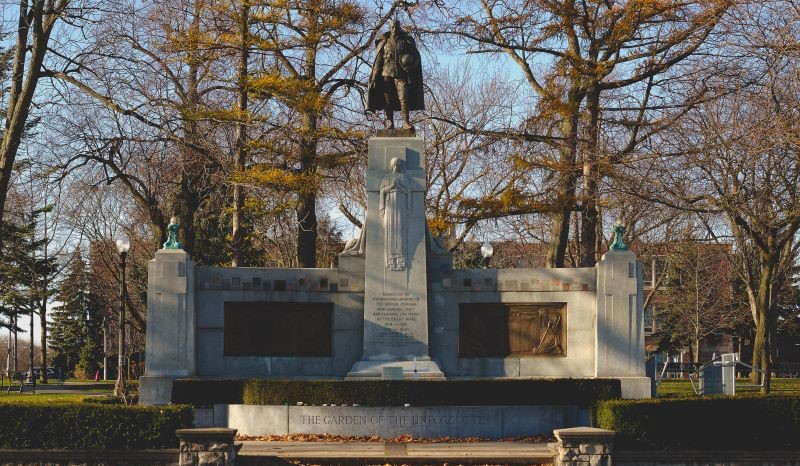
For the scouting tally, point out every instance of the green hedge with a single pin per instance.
(206, 393)
(709, 423)
(396, 392)
(91, 426)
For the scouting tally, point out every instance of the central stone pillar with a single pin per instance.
(395, 282)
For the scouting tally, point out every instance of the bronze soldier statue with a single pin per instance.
(396, 80)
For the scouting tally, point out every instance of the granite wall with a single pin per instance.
(186, 319)
(573, 287)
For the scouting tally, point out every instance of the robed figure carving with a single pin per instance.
(396, 79)
(395, 205)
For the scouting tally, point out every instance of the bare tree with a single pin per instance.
(36, 21)
(737, 158)
(698, 297)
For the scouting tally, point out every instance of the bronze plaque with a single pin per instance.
(490, 330)
(278, 329)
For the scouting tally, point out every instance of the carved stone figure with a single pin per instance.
(356, 246)
(394, 208)
(549, 334)
(396, 79)
(435, 244)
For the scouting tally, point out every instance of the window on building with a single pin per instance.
(649, 320)
(653, 269)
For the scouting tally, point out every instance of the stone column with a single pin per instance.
(583, 446)
(211, 446)
(395, 282)
(619, 337)
(170, 349)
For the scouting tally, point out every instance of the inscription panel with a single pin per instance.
(397, 314)
(278, 329)
(502, 330)
(383, 420)
(391, 422)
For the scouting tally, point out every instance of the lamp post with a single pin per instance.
(122, 246)
(105, 348)
(486, 251)
(31, 376)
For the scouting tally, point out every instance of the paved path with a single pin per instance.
(75, 388)
(355, 452)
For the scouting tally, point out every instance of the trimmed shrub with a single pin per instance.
(709, 423)
(526, 392)
(206, 393)
(103, 400)
(91, 426)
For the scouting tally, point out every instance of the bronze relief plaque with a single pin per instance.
(490, 330)
(278, 329)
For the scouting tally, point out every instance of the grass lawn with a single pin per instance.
(676, 388)
(40, 397)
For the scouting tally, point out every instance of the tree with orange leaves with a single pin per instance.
(574, 55)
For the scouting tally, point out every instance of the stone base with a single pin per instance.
(396, 133)
(374, 370)
(635, 387)
(582, 446)
(391, 421)
(155, 390)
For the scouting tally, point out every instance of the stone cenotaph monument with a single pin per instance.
(395, 275)
(394, 307)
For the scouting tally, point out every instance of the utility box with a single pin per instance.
(729, 374)
(711, 380)
(719, 378)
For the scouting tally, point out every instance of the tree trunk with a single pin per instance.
(761, 354)
(758, 345)
(43, 337)
(185, 208)
(765, 302)
(237, 229)
(23, 87)
(307, 205)
(307, 202)
(560, 222)
(188, 199)
(589, 207)
(769, 356)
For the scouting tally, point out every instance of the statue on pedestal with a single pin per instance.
(396, 79)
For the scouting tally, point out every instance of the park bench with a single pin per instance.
(17, 377)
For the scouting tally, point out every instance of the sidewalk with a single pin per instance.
(76, 388)
(406, 453)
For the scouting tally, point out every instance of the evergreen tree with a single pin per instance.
(11, 298)
(72, 326)
(24, 272)
(89, 360)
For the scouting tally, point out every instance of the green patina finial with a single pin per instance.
(172, 235)
(619, 242)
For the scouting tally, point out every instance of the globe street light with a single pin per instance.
(486, 251)
(122, 246)
(105, 344)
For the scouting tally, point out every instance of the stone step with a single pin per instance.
(361, 453)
